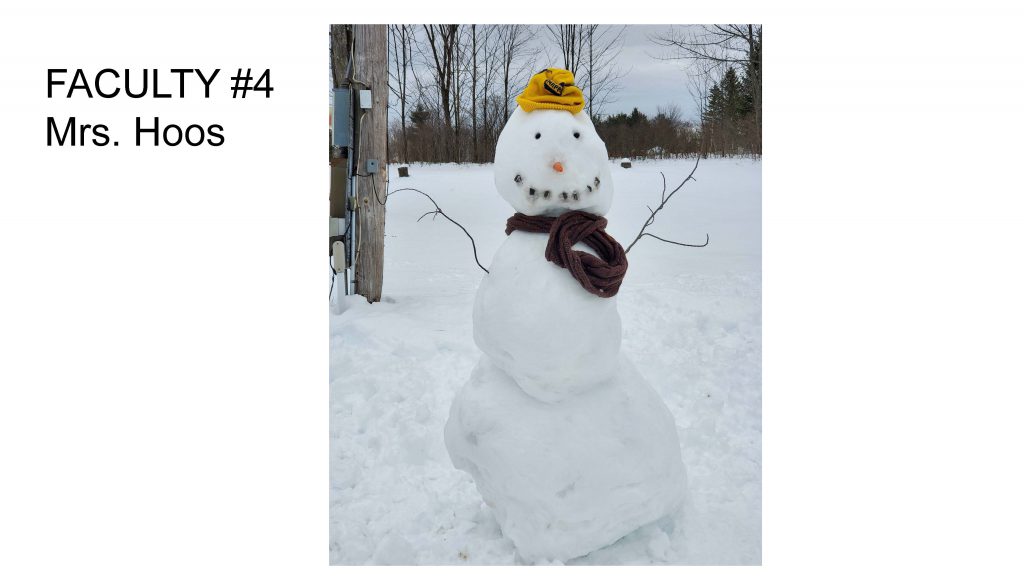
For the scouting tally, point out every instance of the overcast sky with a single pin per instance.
(648, 83)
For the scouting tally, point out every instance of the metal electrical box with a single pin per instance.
(337, 227)
(338, 259)
(342, 117)
(366, 99)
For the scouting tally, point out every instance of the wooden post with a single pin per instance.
(370, 65)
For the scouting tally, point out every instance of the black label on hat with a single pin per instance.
(554, 88)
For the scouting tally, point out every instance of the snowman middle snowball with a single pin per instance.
(530, 316)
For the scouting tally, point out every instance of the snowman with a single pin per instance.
(564, 439)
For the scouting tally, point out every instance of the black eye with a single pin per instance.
(576, 134)
(537, 135)
(519, 179)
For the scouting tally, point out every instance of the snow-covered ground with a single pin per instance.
(691, 321)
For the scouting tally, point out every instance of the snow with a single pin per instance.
(691, 323)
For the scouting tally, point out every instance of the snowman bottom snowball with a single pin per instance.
(569, 478)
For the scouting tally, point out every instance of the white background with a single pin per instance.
(163, 319)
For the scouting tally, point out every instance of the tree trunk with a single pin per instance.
(507, 65)
(405, 86)
(457, 94)
(371, 65)
(472, 109)
(590, 73)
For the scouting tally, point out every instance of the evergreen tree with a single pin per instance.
(420, 115)
(751, 80)
(729, 121)
(732, 94)
(635, 118)
(716, 105)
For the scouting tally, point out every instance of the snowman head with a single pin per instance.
(549, 159)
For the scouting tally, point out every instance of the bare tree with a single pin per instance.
(481, 72)
(722, 46)
(590, 52)
(515, 58)
(474, 74)
(488, 71)
(728, 44)
(442, 41)
(570, 40)
(700, 78)
(603, 45)
(459, 70)
(400, 59)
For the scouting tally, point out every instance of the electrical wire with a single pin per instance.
(334, 274)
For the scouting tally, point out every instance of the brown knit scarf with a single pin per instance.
(599, 276)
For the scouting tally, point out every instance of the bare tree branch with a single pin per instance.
(706, 240)
(437, 210)
(664, 200)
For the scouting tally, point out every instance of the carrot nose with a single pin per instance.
(558, 167)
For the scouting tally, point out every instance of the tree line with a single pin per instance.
(453, 88)
(724, 78)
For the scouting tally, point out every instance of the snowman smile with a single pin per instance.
(558, 194)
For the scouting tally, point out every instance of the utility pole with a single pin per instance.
(370, 72)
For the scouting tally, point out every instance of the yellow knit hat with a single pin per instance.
(551, 89)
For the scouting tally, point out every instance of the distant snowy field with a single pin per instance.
(691, 322)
